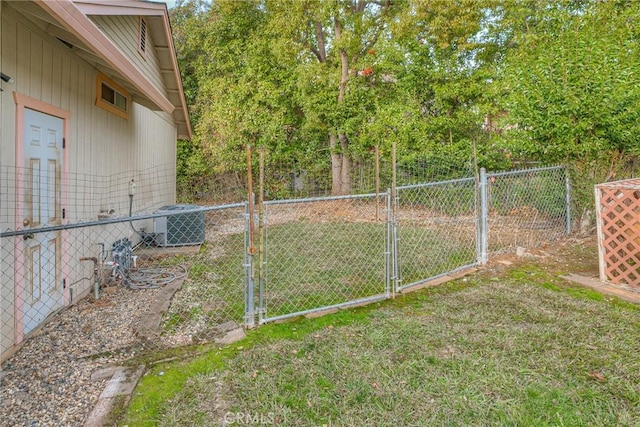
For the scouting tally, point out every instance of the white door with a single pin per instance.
(42, 290)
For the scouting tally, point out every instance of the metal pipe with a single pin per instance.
(526, 171)
(387, 254)
(249, 312)
(394, 220)
(347, 304)
(320, 199)
(115, 220)
(96, 276)
(377, 155)
(435, 184)
(567, 181)
(484, 228)
(438, 276)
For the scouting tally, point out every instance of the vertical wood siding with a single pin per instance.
(102, 147)
(124, 32)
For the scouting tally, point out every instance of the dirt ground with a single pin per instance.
(577, 255)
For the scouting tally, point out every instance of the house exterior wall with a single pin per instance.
(124, 32)
(102, 148)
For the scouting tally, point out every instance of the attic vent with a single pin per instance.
(142, 41)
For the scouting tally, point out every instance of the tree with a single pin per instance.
(336, 43)
(573, 88)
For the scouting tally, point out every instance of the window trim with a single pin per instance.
(112, 108)
(143, 44)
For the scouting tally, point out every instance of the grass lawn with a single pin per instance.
(508, 346)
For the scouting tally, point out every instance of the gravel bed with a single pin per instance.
(48, 381)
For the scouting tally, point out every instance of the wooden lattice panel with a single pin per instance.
(619, 231)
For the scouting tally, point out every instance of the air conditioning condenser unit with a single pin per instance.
(184, 225)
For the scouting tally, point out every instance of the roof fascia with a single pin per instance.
(176, 70)
(77, 23)
(97, 7)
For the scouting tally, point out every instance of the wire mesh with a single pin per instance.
(164, 279)
(170, 275)
(436, 229)
(526, 208)
(308, 176)
(323, 252)
(86, 197)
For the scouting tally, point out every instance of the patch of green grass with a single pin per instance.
(152, 400)
(517, 351)
(549, 278)
(313, 265)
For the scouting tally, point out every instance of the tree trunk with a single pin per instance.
(340, 161)
(340, 166)
(346, 166)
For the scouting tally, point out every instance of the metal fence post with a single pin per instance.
(249, 307)
(483, 228)
(262, 261)
(567, 180)
(394, 219)
(387, 255)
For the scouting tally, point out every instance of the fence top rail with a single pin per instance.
(160, 214)
(327, 198)
(525, 171)
(436, 183)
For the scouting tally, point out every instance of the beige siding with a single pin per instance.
(124, 32)
(103, 151)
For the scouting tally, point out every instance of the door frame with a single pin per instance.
(22, 102)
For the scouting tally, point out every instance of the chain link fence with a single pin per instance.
(323, 253)
(128, 273)
(525, 208)
(171, 276)
(435, 230)
(181, 267)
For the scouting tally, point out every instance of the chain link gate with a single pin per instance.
(321, 254)
(324, 253)
(436, 227)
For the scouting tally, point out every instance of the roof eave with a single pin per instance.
(78, 24)
(147, 8)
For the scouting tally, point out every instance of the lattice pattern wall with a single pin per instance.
(618, 205)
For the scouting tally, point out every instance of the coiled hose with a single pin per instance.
(152, 278)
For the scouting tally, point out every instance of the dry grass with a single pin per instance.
(512, 346)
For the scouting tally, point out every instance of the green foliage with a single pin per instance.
(572, 89)
(559, 80)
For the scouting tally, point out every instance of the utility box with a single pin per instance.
(618, 218)
(183, 225)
